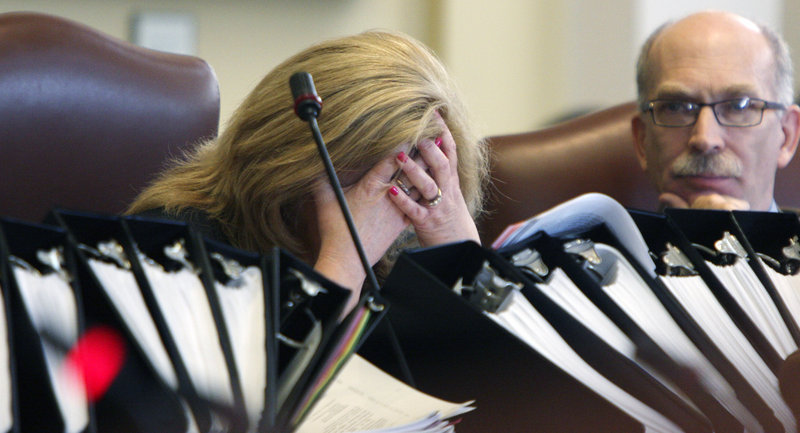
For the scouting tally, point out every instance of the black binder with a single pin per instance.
(150, 237)
(336, 342)
(589, 278)
(660, 231)
(37, 404)
(702, 228)
(766, 235)
(139, 399)
(9, 378)
(219, 258)
(284, 284)
(455, 352)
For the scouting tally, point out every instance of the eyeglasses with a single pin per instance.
(739, 112)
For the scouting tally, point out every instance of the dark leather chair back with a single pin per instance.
(535, 171)
(86, 120)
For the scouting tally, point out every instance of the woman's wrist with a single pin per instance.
(342, 273)
(346, 272)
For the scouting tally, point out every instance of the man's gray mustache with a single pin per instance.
(716, 165)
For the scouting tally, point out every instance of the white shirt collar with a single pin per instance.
(774, 207)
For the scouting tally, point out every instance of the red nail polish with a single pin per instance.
(402, 156)
(394, 191)
(438, 142)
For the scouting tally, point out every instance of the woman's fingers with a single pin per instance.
(415, 175)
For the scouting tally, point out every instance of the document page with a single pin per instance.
(743, 284)
(122, 289)
(182, 298)
(788, 286)
(243, 311)
(52, 308)
(362, 398)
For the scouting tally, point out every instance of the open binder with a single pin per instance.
(303, 291)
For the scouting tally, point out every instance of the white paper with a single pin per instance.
(51, 305)
(788, 287)
(745, 287)
(524, 321)
(362, 397)
(631, 293)
(122, 289)
(183, 301)
(243, 310)
(697, 299)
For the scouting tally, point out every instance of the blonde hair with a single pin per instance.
(379, 90)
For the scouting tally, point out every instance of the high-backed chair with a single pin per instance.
(534, 171)
(86, 119)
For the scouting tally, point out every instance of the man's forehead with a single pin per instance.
(712, 63)
(679, 90)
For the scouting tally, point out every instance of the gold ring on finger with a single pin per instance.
(436, 200)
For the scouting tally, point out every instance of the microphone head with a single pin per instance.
(306, 101)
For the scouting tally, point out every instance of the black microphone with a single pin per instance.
(307, 105)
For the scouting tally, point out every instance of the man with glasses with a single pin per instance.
(716, 117)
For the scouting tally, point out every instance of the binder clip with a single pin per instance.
(301, 289)
(52, 259)
(489, 291)
(602, 267)
(789, 263)
(791, 254)
(726, 250)
(374, 305)
(730, 245)
(178, 253)
(231, 271)
(300, 331)
(298, 324)
(674, 263)
(110, 251)
(530, 262)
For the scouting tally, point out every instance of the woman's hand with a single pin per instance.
(440, 214)
(378, 221)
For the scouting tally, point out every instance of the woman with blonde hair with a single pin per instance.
(261, 183)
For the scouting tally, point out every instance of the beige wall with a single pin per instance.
(519, 63)
(243, 39)
(791, 31)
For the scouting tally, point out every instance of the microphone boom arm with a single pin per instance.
(307, 107)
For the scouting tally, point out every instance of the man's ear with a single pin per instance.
(638, 131)
(790, 124)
